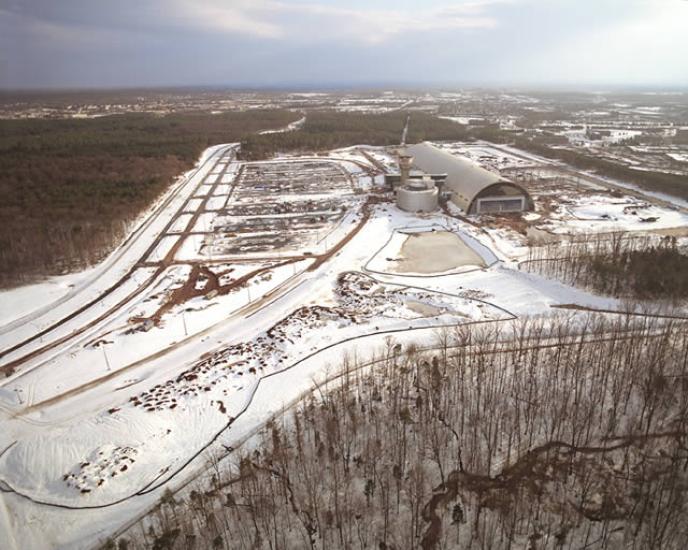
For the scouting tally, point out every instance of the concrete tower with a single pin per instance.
(405, 162)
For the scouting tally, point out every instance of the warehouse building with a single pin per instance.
(472, 188)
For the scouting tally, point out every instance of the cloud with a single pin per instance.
(237, 17)
(39, 32)
(649, 43)
(289, 21)
(374, 42)
(309, 21)
(377, 26)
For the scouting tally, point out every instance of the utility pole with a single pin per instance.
(107, 363)
(186, 332)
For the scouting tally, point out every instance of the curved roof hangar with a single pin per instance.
(467, 181)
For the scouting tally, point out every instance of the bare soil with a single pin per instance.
(435, 252)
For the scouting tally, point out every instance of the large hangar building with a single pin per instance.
(472, 188)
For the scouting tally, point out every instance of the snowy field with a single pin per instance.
(604, 213)
(493, 157)
(247, 287)
(135, 430)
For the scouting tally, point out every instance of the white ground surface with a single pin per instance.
(22, 300)
(602, 213)
(93, 431)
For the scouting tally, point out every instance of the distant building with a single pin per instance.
(472, 188)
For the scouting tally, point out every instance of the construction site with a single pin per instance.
(245, 286)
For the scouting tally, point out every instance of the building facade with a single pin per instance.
(471, 187)
(418, 195)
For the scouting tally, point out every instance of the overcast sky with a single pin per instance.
(104, 43)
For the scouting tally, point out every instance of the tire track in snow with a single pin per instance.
(7, 367)
(6, 524)
(155, 484)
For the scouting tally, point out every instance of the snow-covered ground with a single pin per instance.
(493, 157)
(288, 128)
(153, 418)
(455, 252)
(37, 313)
(22, 300)
(149, 380)
(604, 213)
(40, 297)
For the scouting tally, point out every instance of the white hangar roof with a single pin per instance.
(465, 179)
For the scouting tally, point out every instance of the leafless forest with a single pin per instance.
(621, 265)
(567, 433)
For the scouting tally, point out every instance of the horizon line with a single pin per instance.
(295, 87)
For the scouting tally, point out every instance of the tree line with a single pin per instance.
(70, 188)
(624, 266)
(325, 130)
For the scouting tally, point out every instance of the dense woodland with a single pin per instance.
(619, 265)
(325, 130)
(564, 433)
(70, 188)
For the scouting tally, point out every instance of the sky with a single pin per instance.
(335, 43)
